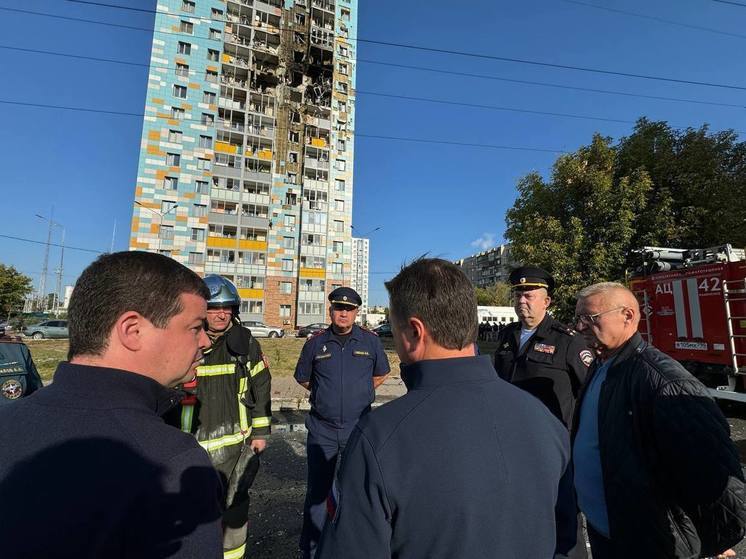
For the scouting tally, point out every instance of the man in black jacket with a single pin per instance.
(88, 468)
(656, 473)
(464, 465)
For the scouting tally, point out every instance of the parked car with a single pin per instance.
(383, 330)
(47, 329)
(261, 330)
(311, 329)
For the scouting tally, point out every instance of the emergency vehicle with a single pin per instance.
(693, 308)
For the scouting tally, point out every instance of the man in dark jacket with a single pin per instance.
(462, 466)
(228, 408)
(88, 468)
(656, 473)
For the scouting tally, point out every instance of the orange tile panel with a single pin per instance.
(154, 228)
(193, 86)
(154, 135)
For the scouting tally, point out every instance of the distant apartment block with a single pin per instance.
(488, 267)
(360, 259)
(246, 157)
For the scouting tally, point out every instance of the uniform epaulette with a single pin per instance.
(564, 329)
(363, 328)
(316, 334)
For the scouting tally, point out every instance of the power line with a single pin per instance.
(730, 3)
(358, 92)
(357, 135)
(67, 247)
(653, 18)
(549, 84)
(484, 56)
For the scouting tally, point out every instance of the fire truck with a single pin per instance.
(693, 308)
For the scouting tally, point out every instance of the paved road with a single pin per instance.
(277, 504)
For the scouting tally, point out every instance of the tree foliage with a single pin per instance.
(659, 186)
(497, 295)
(14, 287)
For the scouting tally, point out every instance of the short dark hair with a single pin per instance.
(441, 296)
(144, 282)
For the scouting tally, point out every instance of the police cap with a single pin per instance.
(345, 296)
(527, 278)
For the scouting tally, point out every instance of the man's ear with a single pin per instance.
(129, 330)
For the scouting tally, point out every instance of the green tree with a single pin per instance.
(579, 224)
(497, 295)
(14, 287)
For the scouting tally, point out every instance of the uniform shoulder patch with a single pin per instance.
(586, 356)
(317, 334)
(567, 330)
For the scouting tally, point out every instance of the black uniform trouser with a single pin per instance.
(601, 547)
(237, 472)
(324, 446)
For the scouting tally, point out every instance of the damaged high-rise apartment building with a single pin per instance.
(246, 156)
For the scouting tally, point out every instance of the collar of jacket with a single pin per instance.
(356, 334)
(631, 347)
(543, 327)
(438, 372)
(104, 388)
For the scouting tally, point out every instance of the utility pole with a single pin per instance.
(45, 265)
(60, 270)
(113, 235)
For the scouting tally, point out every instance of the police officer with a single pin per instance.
(18, 374)
(541, 355)
(341, 366)
(228, 407)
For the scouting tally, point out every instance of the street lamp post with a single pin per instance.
(160, 215)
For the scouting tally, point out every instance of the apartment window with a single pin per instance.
(198, 235)
(336, 267)
(207, 119)
(345, 14)
(200, 210)
(293, 178)
(209, 97)
(167, 206)
(288, 242)
(289, 221)
(173, 159)
(205, 142)
(343, 69)
(187, 6)
(217, 14)
(294, 136)
(339, 205)
(252, 307)
(186, 27)
(339, 226)
(215, 34)
(213, 55)
(174, 136)
(339, 185)
(342, 107)
(285, 310)
(300, 19)
(166, 232)
(177, 114)
(196, 258)
(211, 76)
(287, 264)
(342, 87)
(170, 183)
(182, 70)
(184, 48)
(286, 287)
(200, 187)
(180, 91)
(341, 145)
(338, 246)
(309, 308)
(293, 157)
(341, 165)
(343, 51)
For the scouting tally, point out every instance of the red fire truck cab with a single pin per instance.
(693, 308)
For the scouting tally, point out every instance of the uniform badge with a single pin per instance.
(11, 389)
(544, 348)
(361, 353)
(323, 349)
(586, 357)
(323, 356)
(506, 345)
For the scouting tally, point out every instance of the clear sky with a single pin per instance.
(444, 200)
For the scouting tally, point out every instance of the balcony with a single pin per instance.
(316, 163)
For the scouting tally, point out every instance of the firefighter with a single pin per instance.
(18, 374)
(228, 408)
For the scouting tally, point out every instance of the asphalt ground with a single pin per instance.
(279, 489)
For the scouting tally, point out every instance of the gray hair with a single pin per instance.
(600, 289)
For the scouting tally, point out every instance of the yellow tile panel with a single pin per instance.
(221, 242)
(319, 273)
(253, 245)
(225, 147)
(251, 293)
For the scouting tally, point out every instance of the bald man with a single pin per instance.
(656, 473)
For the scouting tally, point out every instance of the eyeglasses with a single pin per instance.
(592, 319)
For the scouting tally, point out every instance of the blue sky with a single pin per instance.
(441, 199)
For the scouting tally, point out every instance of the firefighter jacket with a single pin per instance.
(18, 374)
(672, 477)
(551, 365)
(233, 395)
